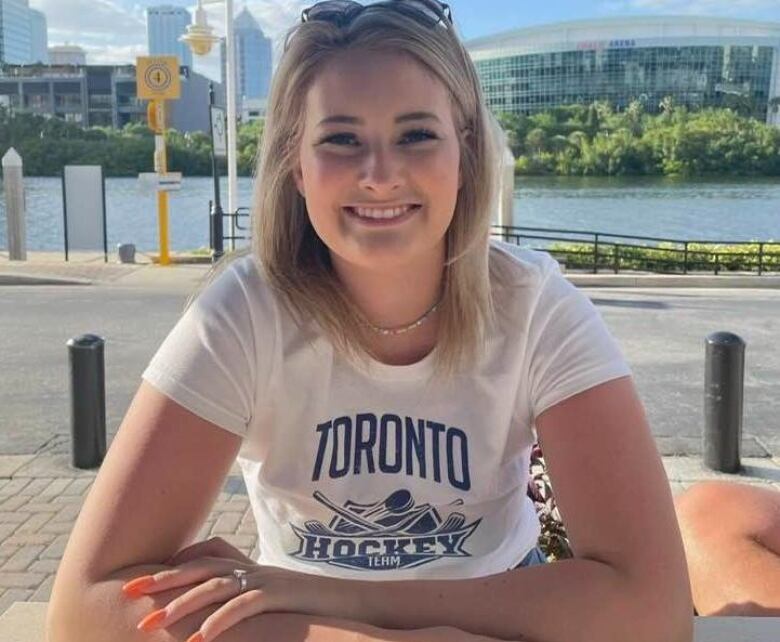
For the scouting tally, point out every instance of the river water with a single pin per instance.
(713, 209)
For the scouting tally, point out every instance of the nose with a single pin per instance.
(381, 171)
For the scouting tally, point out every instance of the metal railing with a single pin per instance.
(594, 251)
(599, 250)
(241, 214)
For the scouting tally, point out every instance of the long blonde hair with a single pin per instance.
(295, 260)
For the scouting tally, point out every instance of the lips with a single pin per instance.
(382, 212)
(382, 216)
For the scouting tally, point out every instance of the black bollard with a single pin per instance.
(217, 233)
(87, 400)
(724, 371)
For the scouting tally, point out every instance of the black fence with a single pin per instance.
(242, 225)
(594, 251)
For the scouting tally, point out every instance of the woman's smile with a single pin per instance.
(382, 217)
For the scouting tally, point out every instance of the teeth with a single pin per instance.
(381, 213)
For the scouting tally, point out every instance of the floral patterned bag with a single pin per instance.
(553, 540)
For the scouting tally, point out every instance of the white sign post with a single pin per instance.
(84, 208)
(169, 182)
(13, 185)
(219, 131)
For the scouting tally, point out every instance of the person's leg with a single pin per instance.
(731, 533)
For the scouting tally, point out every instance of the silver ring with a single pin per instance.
(240, 575)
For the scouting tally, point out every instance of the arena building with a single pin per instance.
(699, 62)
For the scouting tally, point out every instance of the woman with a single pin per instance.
(379, 367)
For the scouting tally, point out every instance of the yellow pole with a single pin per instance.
(162, 195)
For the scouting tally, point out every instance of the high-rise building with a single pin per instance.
(253, 59)
(164, 25)
(39, 41)
(15, 33)
(23, 38)
(67, 55)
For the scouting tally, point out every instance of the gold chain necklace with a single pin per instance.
(406, 328)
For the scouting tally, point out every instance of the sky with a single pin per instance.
(114, 31)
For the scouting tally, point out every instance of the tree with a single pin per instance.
(536, 140)
(633, 116)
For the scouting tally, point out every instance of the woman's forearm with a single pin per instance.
(294, 627)
(597, 603)
(101, 612)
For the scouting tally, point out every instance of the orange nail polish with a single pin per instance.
(152, 621)
(136, 587)
(197, 637)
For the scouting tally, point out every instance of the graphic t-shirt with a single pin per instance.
(386, 473)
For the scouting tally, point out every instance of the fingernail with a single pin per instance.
(152, 621)
(136, 587)
(197, 637)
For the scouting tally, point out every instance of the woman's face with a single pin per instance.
(379, 140)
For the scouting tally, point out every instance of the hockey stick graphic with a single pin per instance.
(357, 520)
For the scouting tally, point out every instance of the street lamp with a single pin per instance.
(200, 38)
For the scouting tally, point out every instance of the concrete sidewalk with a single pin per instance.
(90, 268)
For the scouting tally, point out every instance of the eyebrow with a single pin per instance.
(353, 120)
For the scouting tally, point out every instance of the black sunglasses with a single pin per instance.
(343, 12)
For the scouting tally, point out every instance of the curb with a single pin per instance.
(676, 281)
(27, 279)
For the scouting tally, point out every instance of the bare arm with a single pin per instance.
(629, 578)
(154, 489)
(119, 615)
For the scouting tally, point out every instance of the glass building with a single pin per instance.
(699, 62)
(164, 25)
(253, 59)
(15, 32)
(39, 41)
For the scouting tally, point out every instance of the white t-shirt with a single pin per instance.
(387, 475)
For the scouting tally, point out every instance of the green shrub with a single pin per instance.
(670, 257)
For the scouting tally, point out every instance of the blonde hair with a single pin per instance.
(295, 260)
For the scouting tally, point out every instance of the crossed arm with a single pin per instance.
(120, 616)
(628, 581)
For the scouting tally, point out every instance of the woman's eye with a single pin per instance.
(420, 135)
(349, 140)
(340, 139)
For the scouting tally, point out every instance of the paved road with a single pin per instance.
(662, 335)
(661, 332)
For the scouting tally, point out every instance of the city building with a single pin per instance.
(253, 59)
(39, 40)
(15, 32)
(164, 25)
(67, 55)
(99, 95)
(698, 61)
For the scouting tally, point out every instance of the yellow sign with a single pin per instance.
(157, 77)
(155, 116)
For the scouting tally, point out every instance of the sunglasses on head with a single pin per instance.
(343, 12)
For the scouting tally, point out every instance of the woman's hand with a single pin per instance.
(268, 589)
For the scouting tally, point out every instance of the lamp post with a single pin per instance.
(200, 38)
